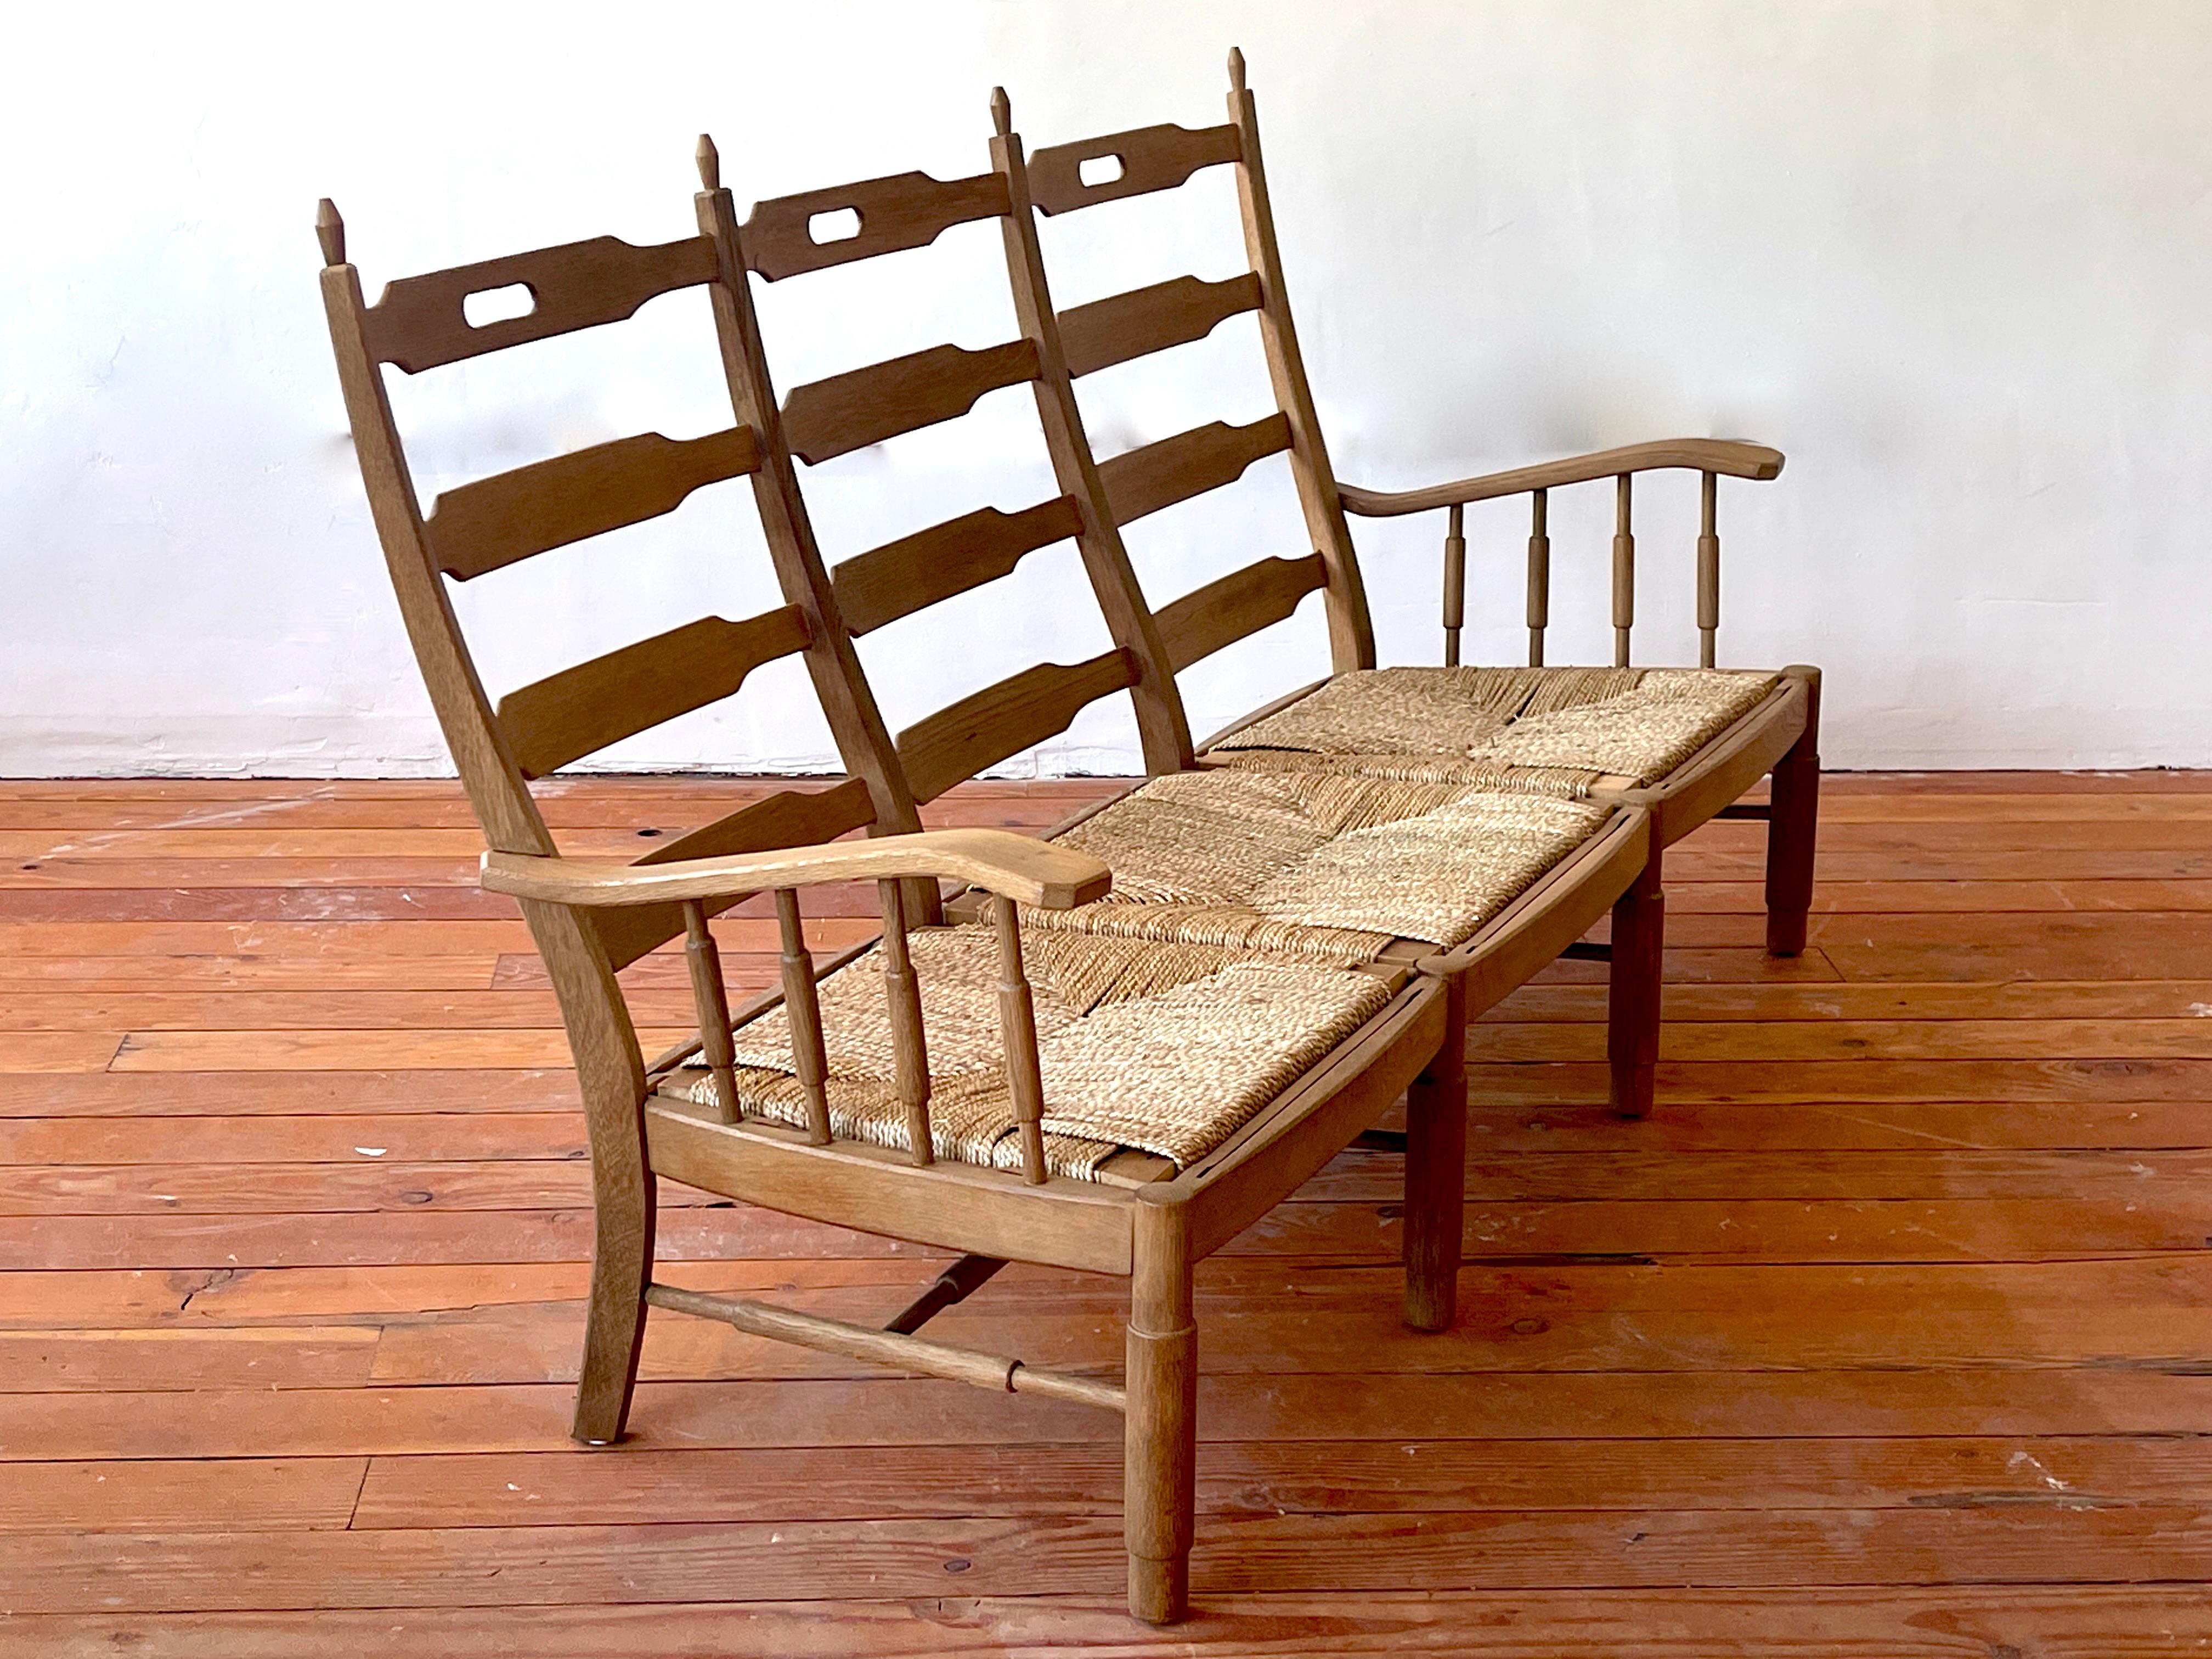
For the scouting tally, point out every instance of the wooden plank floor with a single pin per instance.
(1889, 1335)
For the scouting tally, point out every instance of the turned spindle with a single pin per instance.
(803, 1008)
(909, 1052)
(1455, 581)
(1709, 571)
(713, 1005)
(1624, 571)
(1539, 576)
(1017, 1030)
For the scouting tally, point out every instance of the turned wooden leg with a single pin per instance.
(1792, 826)
(1436, 1173)
(1639, 937)
(614, 1328)
(1159, 1490)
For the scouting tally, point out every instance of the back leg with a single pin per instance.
(1436, 1173)
(1639, 938)
(1792, 828)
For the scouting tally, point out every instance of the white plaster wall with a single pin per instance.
(1954, 259)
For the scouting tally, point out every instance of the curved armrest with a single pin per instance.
(1737, 460)
(1029, 872)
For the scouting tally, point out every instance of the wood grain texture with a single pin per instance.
(416, 323)
(1150, 158)
(2132, 1621)
(495, 521)
(824, 419)
(789, 817)
(908, 211)
(917, 571)
(1884, 1332)
(581, 710)
(1018, 712)
(1148, 319)
(1159, 474)
(1210, 618)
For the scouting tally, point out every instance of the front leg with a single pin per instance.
(1159, 1494)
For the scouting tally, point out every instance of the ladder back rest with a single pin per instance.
(1185, 309)
(418, 323)
(826, 418)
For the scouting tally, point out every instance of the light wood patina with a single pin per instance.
(1143, 1219)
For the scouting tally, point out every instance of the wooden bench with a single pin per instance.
(978, 1079)
(1684, 744)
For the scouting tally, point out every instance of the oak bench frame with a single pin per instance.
(1145, 1220)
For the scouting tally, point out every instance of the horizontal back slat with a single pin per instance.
(417, 322)
(916, 571)
(827, 418)
(1147, 319)
(513, 515)
(1152, 158)
(1243, 602)
(909, 209)
(1189, 463)
(788, 818)
(1019, 712)
(582, 709)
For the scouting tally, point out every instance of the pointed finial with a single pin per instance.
(710, 164)
(1235, 69)
(1002, 112)
(329, 231)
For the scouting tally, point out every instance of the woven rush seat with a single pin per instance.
(1551, 730)
(1323, 868)
(1221, 967)
(1146, 1049)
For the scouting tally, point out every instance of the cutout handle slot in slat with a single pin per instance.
(583, 709)
(1189, 463)
(418, 322)
(1152, 158)
(790, 818)
(1018, 713)
(908, 209)
(917, 571)
(1148, 319)
(1209, 618)
(512, 516)
(824, 419)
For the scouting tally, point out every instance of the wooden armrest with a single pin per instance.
(1737, 460)
(1027, 871)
